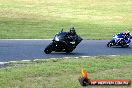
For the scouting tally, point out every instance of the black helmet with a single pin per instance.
(127, 33)
(72, 31)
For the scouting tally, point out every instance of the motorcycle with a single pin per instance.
(119, 40)
(63, 43)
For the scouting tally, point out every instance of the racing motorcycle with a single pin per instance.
(119, 40)
(63, 43)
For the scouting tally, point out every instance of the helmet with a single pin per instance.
(72, 31)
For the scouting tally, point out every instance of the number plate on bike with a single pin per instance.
(72, 42)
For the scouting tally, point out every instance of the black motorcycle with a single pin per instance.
(63, 43)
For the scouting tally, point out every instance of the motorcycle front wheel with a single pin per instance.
(126, 46)
(109, 44)
(48, 49)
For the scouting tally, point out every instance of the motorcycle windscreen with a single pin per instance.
(61, 35)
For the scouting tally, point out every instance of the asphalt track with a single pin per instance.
(12, 50)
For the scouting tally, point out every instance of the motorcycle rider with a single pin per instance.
(72, 36)
(72, 32)
(127, 34)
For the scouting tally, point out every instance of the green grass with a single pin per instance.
(64, 73)
(41, 19)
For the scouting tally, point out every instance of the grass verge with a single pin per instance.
(41, 19)
(64, 73)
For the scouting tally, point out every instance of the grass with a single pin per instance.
(41, 19)
(64, 73)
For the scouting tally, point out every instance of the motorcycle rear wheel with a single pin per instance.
(126, 46)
